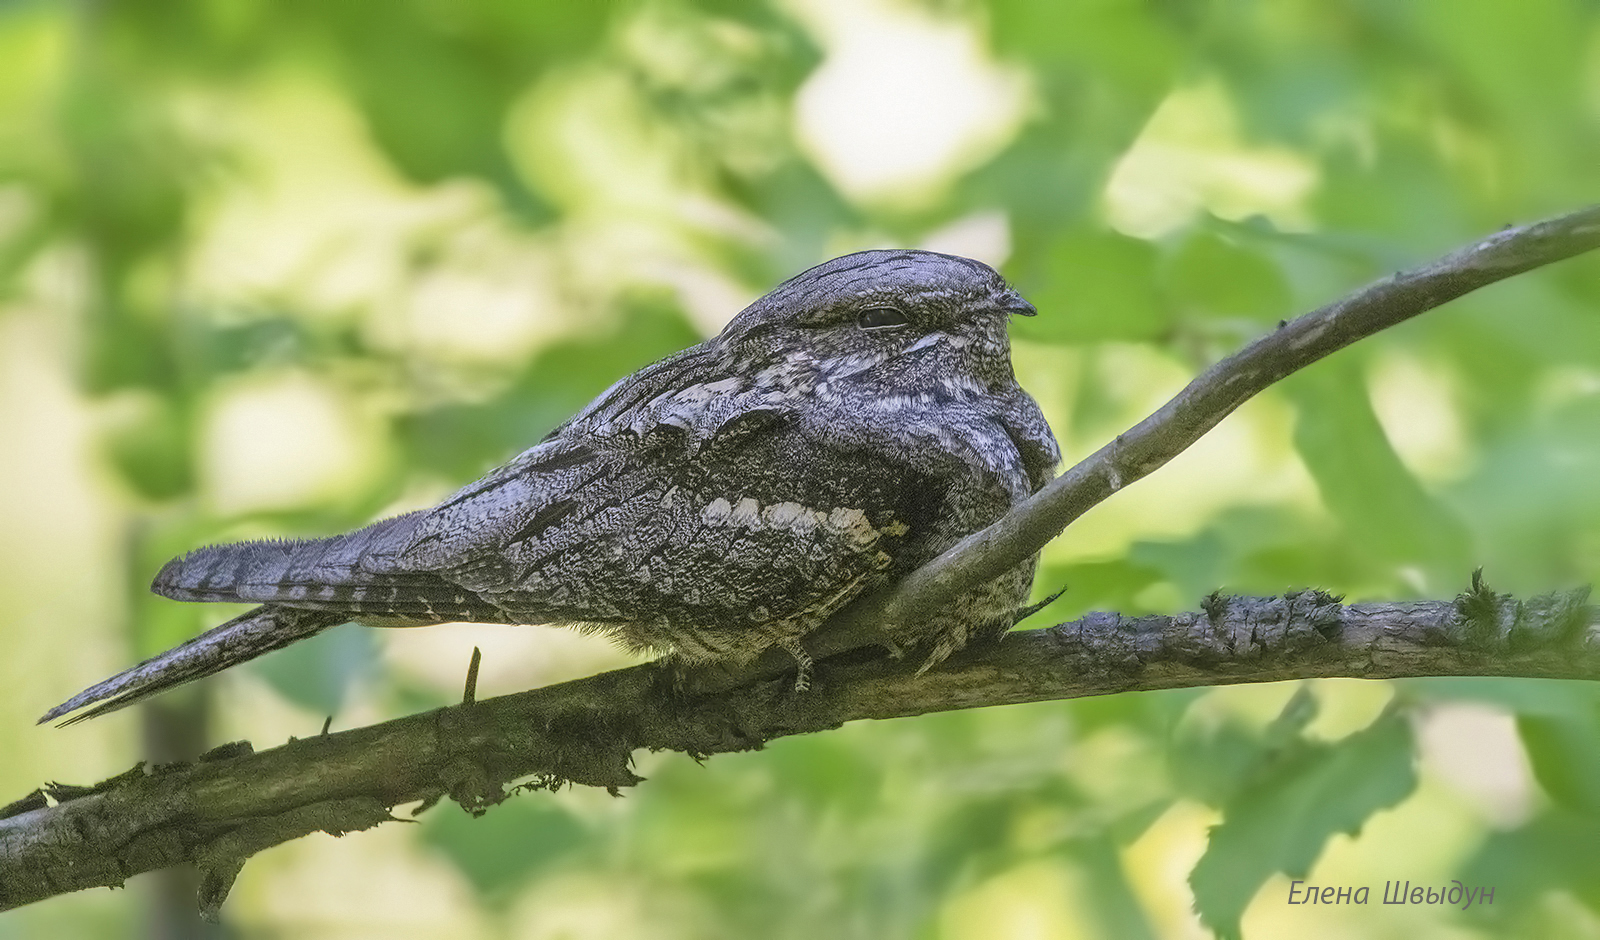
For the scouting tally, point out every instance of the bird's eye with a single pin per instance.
(881, 318)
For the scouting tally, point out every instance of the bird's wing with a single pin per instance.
(705, 505)
(1036, 445)
(677, 522)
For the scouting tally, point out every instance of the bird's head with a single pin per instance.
(885, 322)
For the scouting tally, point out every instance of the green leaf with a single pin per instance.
(1534, 501)
(1117, 908)
(1565, 760)
(1096, 585)
(501, 850)
(1554, 852)
(317, 673)
(1215, 277)
(1100, 286)
(1301, 797)
(1389, 519)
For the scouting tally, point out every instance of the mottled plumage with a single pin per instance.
(838, 433)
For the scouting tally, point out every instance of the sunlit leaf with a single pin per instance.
(1297, 799)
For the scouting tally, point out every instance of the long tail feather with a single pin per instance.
(320, 572)
(340, 573)
(246, 636)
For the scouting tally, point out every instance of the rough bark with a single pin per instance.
(234, 802)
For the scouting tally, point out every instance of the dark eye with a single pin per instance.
(881, 318)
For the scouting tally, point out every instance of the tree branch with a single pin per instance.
(234, 802)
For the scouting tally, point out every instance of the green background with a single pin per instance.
(279, 267)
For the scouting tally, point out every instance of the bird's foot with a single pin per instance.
(802, 659)
(676, 675)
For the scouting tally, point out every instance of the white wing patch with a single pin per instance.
(852, 525)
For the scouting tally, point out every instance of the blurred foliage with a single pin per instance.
(1288, 796)
(309, 263)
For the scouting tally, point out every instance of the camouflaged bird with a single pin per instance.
(838, 433)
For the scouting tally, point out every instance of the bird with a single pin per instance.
(841, 431)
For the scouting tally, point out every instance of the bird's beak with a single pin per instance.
(1016, 305)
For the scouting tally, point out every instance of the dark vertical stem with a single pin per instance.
(174, 729)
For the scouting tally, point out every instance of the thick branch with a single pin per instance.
(233, 802)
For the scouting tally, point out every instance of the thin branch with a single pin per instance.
(233, 802)
(1214, 395)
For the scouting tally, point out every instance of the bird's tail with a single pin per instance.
(246, 636)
